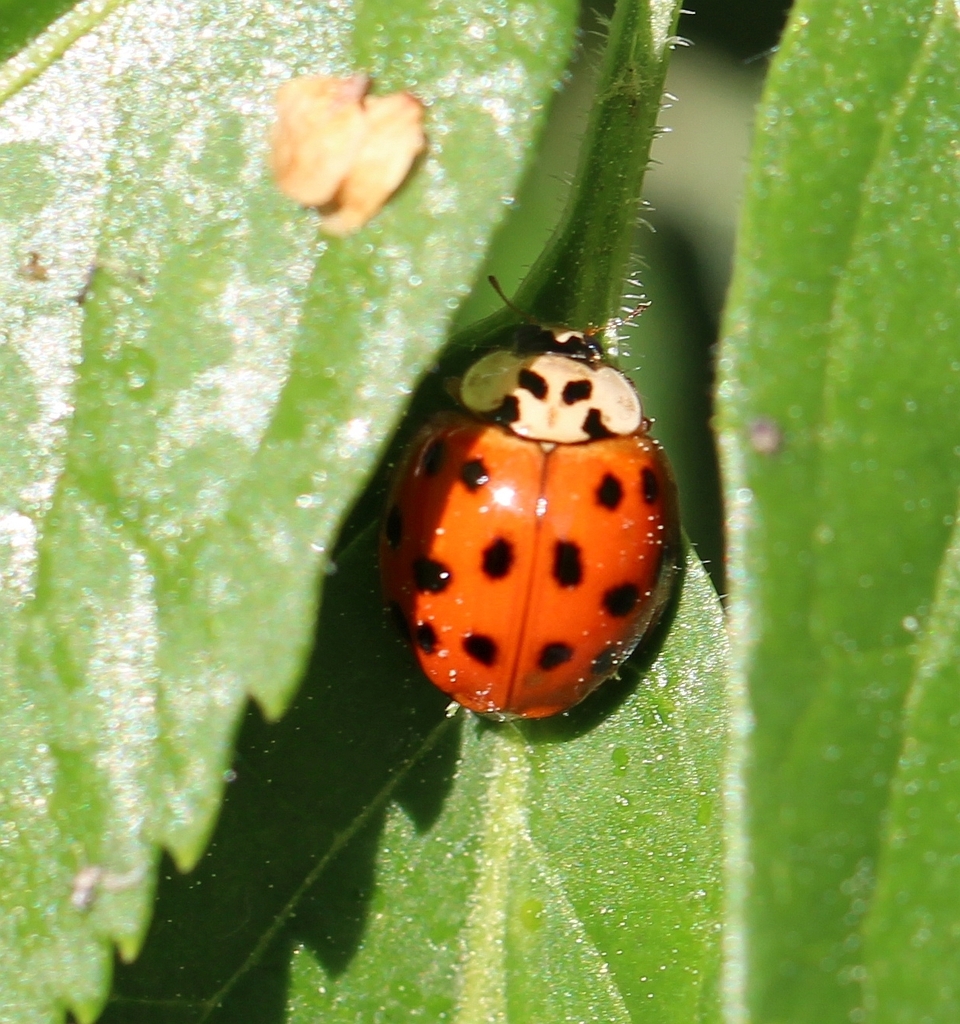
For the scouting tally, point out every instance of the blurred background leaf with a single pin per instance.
(839, 380)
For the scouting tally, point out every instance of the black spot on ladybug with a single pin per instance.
(533, 383)
(433, 458)
(426, 638)
(556, 654)
(498, 559)
(593, 426)
(509, 411)
(605, 662)
(620, 601)
(610, 492)
(650, 484)
(567, 568)
(393, 528)
(481, 648)
(400, 620)
(430, 576)
(577, 391)
(474, 474)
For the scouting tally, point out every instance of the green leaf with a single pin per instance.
(573, 872)
(21, 22)
(454, 869)
(179, 450)
(842, 350)
(376, 859)
(910, 950)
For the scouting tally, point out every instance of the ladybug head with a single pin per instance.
(532, 340)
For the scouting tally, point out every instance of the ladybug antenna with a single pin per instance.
(622, 321)
(495, 284)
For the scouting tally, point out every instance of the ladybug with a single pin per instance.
(532, 539)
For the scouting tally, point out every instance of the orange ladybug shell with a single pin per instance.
(523, 573)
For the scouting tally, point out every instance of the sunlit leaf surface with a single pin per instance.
(178, 449)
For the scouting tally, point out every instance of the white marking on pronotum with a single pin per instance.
(571, 389)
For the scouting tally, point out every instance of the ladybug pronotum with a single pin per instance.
(531, 540)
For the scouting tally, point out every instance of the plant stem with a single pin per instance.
(579, 279)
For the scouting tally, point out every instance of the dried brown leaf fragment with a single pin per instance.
(341, 150)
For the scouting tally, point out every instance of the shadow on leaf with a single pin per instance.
(292, 860)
